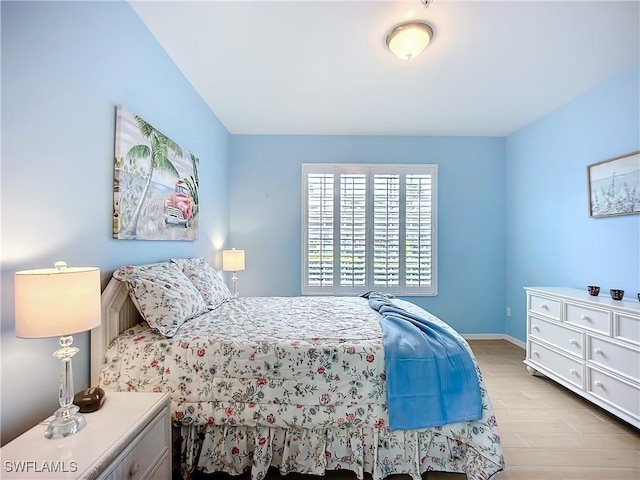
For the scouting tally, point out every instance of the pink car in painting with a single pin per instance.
(178, 208)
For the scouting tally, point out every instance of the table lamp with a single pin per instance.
(58, 302)
(233, 261)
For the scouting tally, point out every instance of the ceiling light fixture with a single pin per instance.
(408, 39)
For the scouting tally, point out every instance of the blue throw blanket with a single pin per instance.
(431, 377)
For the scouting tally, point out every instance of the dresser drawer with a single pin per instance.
(621, 394)
(557, 364)
(163, 469)
(143, 455)
(627, 328)
(622, 360)
(544, 306)
(588, 318)
(566, 339)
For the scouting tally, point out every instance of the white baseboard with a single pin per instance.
(494, 336)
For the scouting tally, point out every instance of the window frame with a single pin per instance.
(370, 169)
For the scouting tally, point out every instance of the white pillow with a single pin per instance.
(206, 280)
(163, 295)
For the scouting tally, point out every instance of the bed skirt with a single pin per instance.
(378, 452)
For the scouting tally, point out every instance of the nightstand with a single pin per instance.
(128, 438)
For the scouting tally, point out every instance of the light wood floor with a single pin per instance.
(548, 433)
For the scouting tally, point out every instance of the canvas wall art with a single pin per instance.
(155, 184)
(614, 186)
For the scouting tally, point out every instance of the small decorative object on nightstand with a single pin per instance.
(90, 399)
(593, 290)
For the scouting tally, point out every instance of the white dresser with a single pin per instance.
(591, 345)
(128, 438)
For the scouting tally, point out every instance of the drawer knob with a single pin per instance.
(585, 318)
(535, 327)
(133, 469)
(573, 371)
(598, 383)
(597, 351)
(573, 341)
(544, 306)
(535, 353)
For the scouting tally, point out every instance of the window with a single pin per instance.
(369, 227)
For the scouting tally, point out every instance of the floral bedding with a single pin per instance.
(294, 382)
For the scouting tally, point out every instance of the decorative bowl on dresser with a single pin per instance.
(590, 345)
(616, 293)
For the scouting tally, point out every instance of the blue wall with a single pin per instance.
(551, 241)
(265, 202)
(65, 65)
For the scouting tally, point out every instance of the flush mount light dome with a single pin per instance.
(408, 39)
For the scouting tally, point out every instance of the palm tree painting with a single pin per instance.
(155, 186)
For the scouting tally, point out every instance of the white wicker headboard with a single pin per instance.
(118, 314)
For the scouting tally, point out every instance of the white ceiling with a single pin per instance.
(322, 67)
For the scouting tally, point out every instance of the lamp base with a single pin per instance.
(234, 278)
(66, 421)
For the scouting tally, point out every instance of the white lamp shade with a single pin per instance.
(233, 260)
(54, 303)
(408, 39)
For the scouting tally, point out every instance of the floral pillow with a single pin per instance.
(206, 280)
(163, 295)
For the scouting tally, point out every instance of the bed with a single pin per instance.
(292, 383)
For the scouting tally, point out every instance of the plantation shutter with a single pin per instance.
(369, 227)
(320, 221)
(353, 235)
(418, 238)
(386, 230)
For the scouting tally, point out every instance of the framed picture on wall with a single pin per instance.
(614, 186)
(155, 184)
